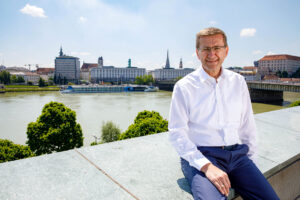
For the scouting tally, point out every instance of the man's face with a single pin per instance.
(212, 53)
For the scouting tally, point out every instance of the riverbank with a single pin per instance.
(28, 88)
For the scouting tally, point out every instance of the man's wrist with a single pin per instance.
(205, 167)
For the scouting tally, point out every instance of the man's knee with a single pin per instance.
(203, 189)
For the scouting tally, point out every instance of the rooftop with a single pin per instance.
(280, 57)
(140, 168)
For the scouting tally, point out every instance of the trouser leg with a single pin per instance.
(247, 180)
(201, 187)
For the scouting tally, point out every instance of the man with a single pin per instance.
(212, 127)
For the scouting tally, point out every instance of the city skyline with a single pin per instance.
(33, 31)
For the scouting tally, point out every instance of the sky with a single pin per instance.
(32, 31)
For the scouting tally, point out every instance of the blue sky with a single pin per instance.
(31, 32)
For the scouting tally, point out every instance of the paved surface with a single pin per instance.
(140, 168)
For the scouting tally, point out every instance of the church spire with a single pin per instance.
(61, 51)
(180, 64)
(167, 62)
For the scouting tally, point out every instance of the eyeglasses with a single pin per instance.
(214, 49)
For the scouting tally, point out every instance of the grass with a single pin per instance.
(260, 107)
(28, 86)
(31, 89)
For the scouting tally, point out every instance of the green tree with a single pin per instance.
(285, 74)
(295, 103)
(5, 77)
(145, 123)
(144, 80)
(55, 130)
(279, 74)
(110, 132)
(13, 79)
(139, 80)
(10, 151)
(20, 79)
(296, 74)
(42, 83)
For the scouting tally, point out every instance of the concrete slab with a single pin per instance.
(64, 175)
(148, 166)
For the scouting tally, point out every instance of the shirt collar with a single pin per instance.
(203, 76)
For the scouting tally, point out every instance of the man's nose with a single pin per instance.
(211, 53)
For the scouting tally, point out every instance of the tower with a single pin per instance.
(129, 63)
(180, 64)
(100, 62)
(61, 52)
(167, 62)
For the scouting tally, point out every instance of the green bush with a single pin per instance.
(110, 132)
(55, 130)
(10, 151)
(295, 103)
(145, 123)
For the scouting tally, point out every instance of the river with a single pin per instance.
(19, 109)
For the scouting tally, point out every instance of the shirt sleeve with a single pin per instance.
(247, 131)
(178, 131)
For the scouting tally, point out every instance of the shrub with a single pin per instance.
(55, 130)
(295, 103)
(110, 132)
(10, 151)
(145, 123)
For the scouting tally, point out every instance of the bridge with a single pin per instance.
(260, 91)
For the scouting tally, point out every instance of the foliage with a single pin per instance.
(94, 143)
(296, 74)
(178, 78)
(10, 151)
(20, 79)
(110, 132)
(279, 74)
(13, 79)
(295, 103)
(144, 80)
(285, 74)
(55, 130)
(42, 83)
(5, 77)
(145, 123)
(29, 83)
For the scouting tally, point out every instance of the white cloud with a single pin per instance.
(33, 11)
(212, 23)
(257, 52)
(270, 53)
(248, 32)
(81, 53)
(82, 19)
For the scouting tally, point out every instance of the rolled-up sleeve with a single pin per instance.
(247, 131)
(178, 130)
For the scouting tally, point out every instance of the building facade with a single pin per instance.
(270, 64)
(115, 74)
(67, 69)
(168, 73)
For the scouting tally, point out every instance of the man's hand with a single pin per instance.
(218, 177)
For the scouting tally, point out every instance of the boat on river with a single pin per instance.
(108, 88)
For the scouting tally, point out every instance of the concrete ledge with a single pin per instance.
(146, 167)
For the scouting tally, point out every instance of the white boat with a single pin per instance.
(151, 89)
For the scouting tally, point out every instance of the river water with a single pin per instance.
(19, 109)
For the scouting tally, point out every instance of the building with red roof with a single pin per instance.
(270, 64)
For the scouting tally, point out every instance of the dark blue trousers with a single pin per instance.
(243, 174)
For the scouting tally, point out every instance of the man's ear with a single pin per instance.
(227, 49)
(197, 53)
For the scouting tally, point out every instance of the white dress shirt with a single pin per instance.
(206, 112)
